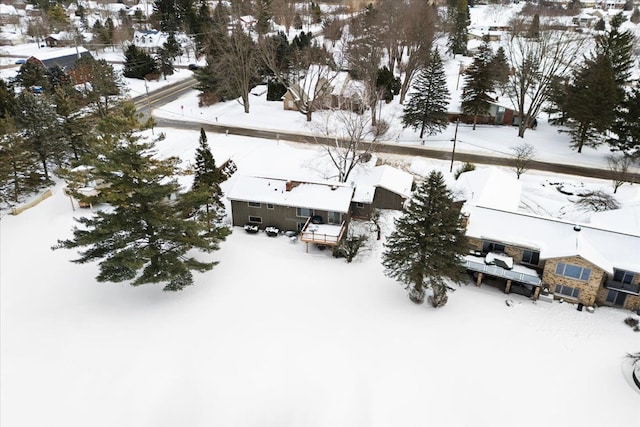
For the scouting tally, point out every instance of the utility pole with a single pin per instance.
(455, 137)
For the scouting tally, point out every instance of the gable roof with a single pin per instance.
(64, 58)
(490, 187)
(384, 176)
(328, 196)
(555, 238)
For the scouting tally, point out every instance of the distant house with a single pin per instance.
(65, 59)
(327, 89)
(595, 263)
(498, 114)
(151, 40)
(382, 187)
(61, 39)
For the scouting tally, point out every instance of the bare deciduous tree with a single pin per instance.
(536, 62)
(354, 140)
(523, 155)
(239, 63)
(619, 168)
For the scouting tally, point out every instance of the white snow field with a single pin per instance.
(274, 336)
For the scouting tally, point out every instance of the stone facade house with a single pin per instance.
(595, 263)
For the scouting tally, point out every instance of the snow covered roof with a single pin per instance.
(624, 220)
(555, 238)
(6, 9)
(329, 196)
(490, 187)
(46, 54)
(384, 176)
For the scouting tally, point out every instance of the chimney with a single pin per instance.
(290, 185)
(577, 227)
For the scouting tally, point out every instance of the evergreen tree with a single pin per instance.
(626, 125)
(478, 85)
(105, 87)
(204, 22)
(635, 16)
(31, 73)
(173, 48)
(73, 122)
(38, 121)
(164, 62)
(459, 17)
(534, 28)
(206, 185)
(264, 16)
(138, 63)
(16, 163)
(145, 237)
(499, 69)
(428, 243)
(7, 100)
(600, 25)
(427, 104)
(618, 46)
(591, 102)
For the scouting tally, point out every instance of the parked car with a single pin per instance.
(251, 228)
(21, 61)
(192, 67)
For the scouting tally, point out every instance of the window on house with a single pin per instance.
(269, 205)
(573, 271)
(333, 217)
(616, 298)
(531, 257)
(492, 247)
(622, 276)
(303, 212)
(567, 291)
(255, 219)
(359, 205)
(254, 204)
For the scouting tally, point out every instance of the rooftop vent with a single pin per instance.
(577, 227)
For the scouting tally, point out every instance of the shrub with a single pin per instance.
(467, 167)
(632, 322)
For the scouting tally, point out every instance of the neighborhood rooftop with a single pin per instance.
(556, 238)
(331, 196)
(383, 176)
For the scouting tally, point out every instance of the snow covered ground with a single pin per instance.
(274, 336)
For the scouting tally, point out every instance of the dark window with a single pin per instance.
(616, 298)
(622, 276)
(531, 257)
(567, 291)
(492, 247)
(303, 212)
(359, 205)
(254, 205)
(269, 205)
(255, 219)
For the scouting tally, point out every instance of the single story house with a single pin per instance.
(498, 114)
(63, 38)
(595, 263)
(318, 210)
(381, 187)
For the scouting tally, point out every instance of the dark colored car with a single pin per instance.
(192, 67)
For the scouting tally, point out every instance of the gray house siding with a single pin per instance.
(385, 199)
(283, 217)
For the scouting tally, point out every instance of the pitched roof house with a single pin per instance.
(381, 187)
(64, 58)
(585, 263)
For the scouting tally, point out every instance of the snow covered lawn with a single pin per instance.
(274, 336)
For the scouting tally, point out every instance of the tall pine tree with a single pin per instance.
(428, 243)
(458, 11)
(427, 105)
(591, 102)
(627, 126)
(478, 84)
(207, 200)
(145, 236)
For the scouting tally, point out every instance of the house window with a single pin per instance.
(531, 257)
(567, 291)
(269, 205)
(573, 271)
(616, 298)
(492, 247)
(255, 219)
(622, 276)
(254, 205)
(359, 205)
(303, 212)
(333, 217)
